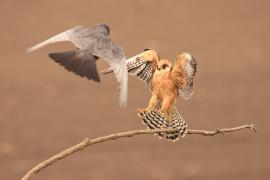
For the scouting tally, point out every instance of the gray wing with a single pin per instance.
(81, 62)
(91, 42)
(82, 37)
(115, 57)
(68, 35)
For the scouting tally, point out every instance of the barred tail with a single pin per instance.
(154, 120)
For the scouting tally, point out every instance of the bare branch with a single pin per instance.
(221, 131)
(87, 142)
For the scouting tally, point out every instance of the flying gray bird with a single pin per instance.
(92, 44)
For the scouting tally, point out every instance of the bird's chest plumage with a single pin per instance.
(163, 85)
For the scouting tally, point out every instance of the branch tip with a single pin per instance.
(253, 128)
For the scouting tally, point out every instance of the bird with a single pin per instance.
(166, 82)
(91, 44)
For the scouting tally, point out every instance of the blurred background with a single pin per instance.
(45, 109)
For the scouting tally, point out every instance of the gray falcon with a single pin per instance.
(91, 44)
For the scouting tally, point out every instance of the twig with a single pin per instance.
(87, 142)
(221, 131)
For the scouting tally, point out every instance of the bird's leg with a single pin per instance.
(151, 105)
(152, 102)
(166, 108)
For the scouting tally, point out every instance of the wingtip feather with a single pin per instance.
(28, 50)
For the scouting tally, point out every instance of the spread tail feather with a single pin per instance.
(155, 120)
(121, 74)
(122, 80)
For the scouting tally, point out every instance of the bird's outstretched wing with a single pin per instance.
(142, 65)
(80, 61)
(68, 35)
(91, 44)
(184, 71)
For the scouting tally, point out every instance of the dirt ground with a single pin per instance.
(45, 109)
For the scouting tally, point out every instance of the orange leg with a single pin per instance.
(151, 104)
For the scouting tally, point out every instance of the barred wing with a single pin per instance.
(142, 65)
(184, 71)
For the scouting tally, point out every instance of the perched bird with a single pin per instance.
(91, 44)
(166, 83)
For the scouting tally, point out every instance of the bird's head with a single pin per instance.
(105, 28)
(164, 65)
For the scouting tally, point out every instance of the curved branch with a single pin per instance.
(87, 142)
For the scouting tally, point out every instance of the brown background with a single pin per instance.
(44, 109)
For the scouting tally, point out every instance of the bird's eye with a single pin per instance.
(164, 66)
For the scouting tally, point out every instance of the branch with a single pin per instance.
(87, 142)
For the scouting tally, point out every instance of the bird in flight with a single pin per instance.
(166, 82)
(91, 44)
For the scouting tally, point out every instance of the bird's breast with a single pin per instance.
(163, 85)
